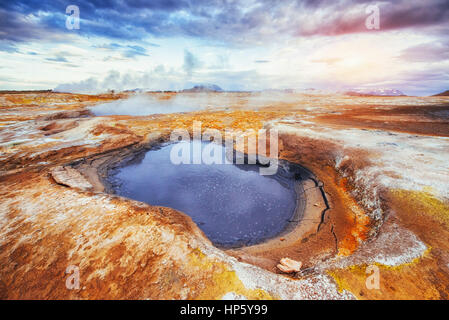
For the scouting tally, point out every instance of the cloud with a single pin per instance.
(238, 45)
(57, 59)
(349, 17)
(8, 47)
(426, 52)
(234, 22)
(128, 51)
(61, 56)
(132, 51)
(404, 14)
(16, 27)
(328, 61)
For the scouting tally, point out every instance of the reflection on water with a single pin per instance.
(233, 204)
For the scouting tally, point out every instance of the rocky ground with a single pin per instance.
(383, 163)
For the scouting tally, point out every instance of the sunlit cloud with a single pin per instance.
(239, 45)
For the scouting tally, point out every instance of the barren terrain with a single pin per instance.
(382, 162)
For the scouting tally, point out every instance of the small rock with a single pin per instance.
(70, 177)
(288, 265)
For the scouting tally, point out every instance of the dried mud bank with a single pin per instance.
(124, 249)
(401, 240)
(385, 183)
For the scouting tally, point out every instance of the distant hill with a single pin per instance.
(136, 90)
(384, 92)
(204, 88)
(442, 94)
(25, 91)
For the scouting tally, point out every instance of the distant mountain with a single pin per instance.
(204, 88)
(137, 90)
(25, 91)
(442, 94)
(385, 92)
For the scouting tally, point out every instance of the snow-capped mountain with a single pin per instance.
(374, 92)
(204, 88)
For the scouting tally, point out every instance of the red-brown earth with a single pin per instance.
(382, 161)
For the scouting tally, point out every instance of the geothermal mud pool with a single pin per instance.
(232, 203)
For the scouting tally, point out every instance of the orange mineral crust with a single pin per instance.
(377, 204)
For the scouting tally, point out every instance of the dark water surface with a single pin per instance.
(233, 204)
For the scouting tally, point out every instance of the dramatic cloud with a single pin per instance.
(18, 27)
(159, 78)
(228, 21)
(345, 17)
(128, 51)
(290, 43)
(427, 52)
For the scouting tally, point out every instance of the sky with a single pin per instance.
(235, 44)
